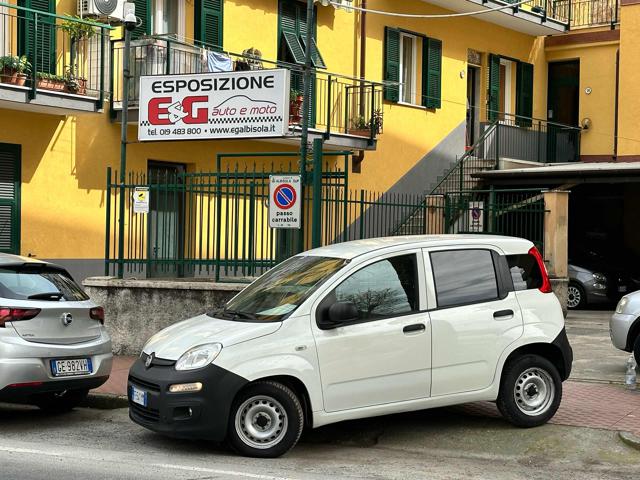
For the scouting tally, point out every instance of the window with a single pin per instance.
(525, 272)
(401, 66)
(464, 276)
(39, 282)
(293, 28)
(501, 92)
(10, 162)
(383, 289)
(160, 17)
(407, 68)
(209, 22)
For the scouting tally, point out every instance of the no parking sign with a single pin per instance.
(284, 201)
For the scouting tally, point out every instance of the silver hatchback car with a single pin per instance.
(624, 326)
(53, 344)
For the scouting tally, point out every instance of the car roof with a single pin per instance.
(353, 249)
(7, 259)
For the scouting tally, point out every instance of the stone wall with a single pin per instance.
(560, 287)
(136, 309)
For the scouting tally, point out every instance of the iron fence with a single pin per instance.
(339, 104)
(588, 13)
(45, 51)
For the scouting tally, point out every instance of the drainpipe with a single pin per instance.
(616, 103)
(355, 166)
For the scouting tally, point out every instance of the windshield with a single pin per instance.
(38, 283)
(275, 295)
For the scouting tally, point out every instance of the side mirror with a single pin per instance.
(340, 313)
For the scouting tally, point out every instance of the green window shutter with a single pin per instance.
(209, 22)
(289, 17)
(143, 12)
(40, 50)
(432, 73)
(9, 198)
(316, 57)
(391, 63)
(493, 100)
(524, 95)
(294, 46)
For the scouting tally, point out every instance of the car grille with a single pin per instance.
(145, 413)
(144, 384)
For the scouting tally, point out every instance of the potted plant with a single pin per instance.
(360, 127)
(78, 30)
(14, 70)
(74, 84)
(295, 106)
(376, 122)
(50, 81)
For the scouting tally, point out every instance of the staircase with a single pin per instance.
(458, 179)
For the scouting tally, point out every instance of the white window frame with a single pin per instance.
(414, 55)
(508, 88)
(5, 32)
(157, 19)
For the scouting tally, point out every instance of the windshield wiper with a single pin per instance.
(236, 314)
(45, 296)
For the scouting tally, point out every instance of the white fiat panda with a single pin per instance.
(356, 330)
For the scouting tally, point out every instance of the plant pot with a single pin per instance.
(295, 111)
(12, 77)
(360, 132)
(79, 87)
(55, 85)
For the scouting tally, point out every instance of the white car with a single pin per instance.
(624, 326)
(54, 347)
(360, 329)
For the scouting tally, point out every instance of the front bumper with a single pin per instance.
(619, 327)
(199, 415)
(25, 367)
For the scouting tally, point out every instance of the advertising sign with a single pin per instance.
(141, 200)
(476, 217)
(284, 201)
(249, 104)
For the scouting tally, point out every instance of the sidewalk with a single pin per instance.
(117, 383)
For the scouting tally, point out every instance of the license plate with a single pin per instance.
(69, 368)
(622, 289)
(138, 396)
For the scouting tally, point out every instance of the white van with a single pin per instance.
(356, 330)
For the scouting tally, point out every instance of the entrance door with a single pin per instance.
(563, 107)
(473, 104)
(9, 198)
(165, 219)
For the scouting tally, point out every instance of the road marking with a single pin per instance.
(230, 473)
(30, 451)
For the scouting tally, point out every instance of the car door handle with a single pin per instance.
(416, 327)
(502, 314)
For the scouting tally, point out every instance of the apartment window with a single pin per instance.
(502, 75)
(160, 17)
(407, 68)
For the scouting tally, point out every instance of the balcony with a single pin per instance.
(346, 112)
(535, 17)
(51, 63)
(588, 13)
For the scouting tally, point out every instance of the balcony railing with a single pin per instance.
(341, 105)
(588, 13)
(44, 51)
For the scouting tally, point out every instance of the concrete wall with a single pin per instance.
(136, 309)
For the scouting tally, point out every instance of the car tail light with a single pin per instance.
(546, 283)
(97, 313)
(9, 314)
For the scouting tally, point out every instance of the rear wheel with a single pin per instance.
(530, 391)
(576, 298)
(60, 402)
(266, 420)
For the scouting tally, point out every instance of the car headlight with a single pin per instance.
(600, 277)
(198, 357)
(622, 304)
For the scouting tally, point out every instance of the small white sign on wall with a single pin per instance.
(141, 197)
(476, 217)
(284, 201)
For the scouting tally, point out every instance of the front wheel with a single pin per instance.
(60, 402)
(576, 298)
(266, 420)
(530, 391)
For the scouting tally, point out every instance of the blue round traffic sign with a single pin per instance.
(284, 196)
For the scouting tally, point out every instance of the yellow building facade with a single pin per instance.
(63, 150)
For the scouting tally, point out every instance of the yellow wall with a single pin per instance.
(64, 158)
(629, 135)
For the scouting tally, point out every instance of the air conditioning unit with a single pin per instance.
(113, 10)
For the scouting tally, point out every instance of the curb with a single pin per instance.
(630, 439)
(105, 401)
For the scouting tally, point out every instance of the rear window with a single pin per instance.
(463, 277)
(525, 272)
(22, 283)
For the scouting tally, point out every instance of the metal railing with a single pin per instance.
(340, 104)
(45, 51)
(588, 13)
(543, 8)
